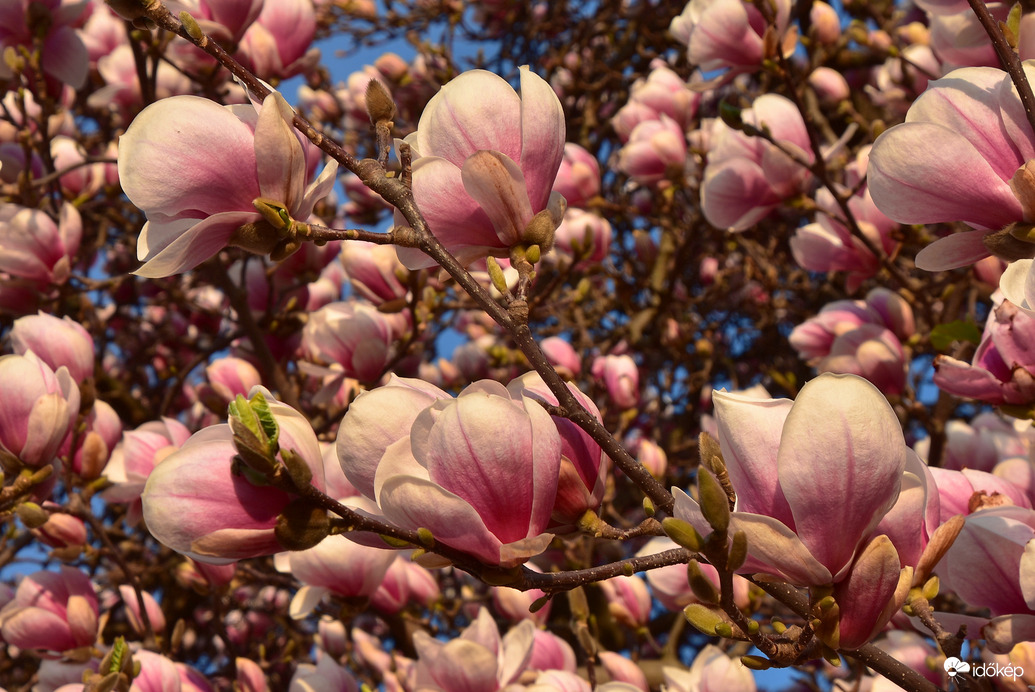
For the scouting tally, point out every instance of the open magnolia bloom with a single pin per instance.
(196, 169)
(485, 160)
(828, 494)
(965, 153)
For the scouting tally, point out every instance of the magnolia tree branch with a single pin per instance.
(1009, 58)
(398, 194)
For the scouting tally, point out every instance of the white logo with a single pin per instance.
(954, 665)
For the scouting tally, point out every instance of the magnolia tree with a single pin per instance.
(615, 344)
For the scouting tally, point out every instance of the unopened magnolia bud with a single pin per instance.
(706, 619)
(301, 525)
(648, 507)
(682, 533)
(380, 106)
(127, 9)
(299, 471)
(724, 630)
(538, 603)
(701, 585)
(499, 280)
(578, 604)
(731, 115)
(738, 551)
(930, 589)
(756, 662)
(191, 26)
(714, 503)
(941, 540)
(426, 538)
(826, 603)
(32, 515)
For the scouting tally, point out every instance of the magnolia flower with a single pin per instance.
(479, 471)
(54, 611)
(56, 341)
(965, 153)
(195, 503)
(747, 177)
(33, 247)
(818, 485)
(485, 163)
(40, 407)
(196, 169)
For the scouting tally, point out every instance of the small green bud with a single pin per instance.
(648, 507)
(756, 662)
(731, 115)
(724, 630)
(578, 604)
(191, 26)
(701, 585)
(533, 253)
(394, 542)
(499, 280)
(704, 618)
(426, 538)
(715, 505)
(299, 471)
(32, 515)
(738, 551)
(682, 533)
(540, 230)
(930, 589)
(538, 603)
(753, 626)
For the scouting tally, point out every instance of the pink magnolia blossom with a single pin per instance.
(712, 669)
(662, 92)
(814, 479)
(624, 670)
(336, 565)
(1003, 368)
(562, 356)
(621, 377)
(578, 178)
(354, 336)
(63, 56)
(655, 151)
(195, 168)
(627, 600)
(136, 456)
(961, 155)
(61, 530)
(40, 407)
(981, 444)
(828, 245)
(121, 90)
(377, 419)
(728, 34)
(859, 338)
(966, 491)
(479, 659)
(154, 611)
(277, 44)
(550, 652)
(583, 471)
(33, 247)
(479, 471)
(485, 163)
(51, 611)
(405, 582)
(57, 342)
(227, 20)
(991, 565)
(747, 177)
(196, 504)
(374, 271)
(227, 377)
(327, 674)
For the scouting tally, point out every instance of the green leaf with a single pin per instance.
(943, 335)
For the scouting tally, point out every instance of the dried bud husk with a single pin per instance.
(301, 525)
(1012, 243)
(299, 471)
(941, 540)
(540, 230)
(578, 604)
(380, 105)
